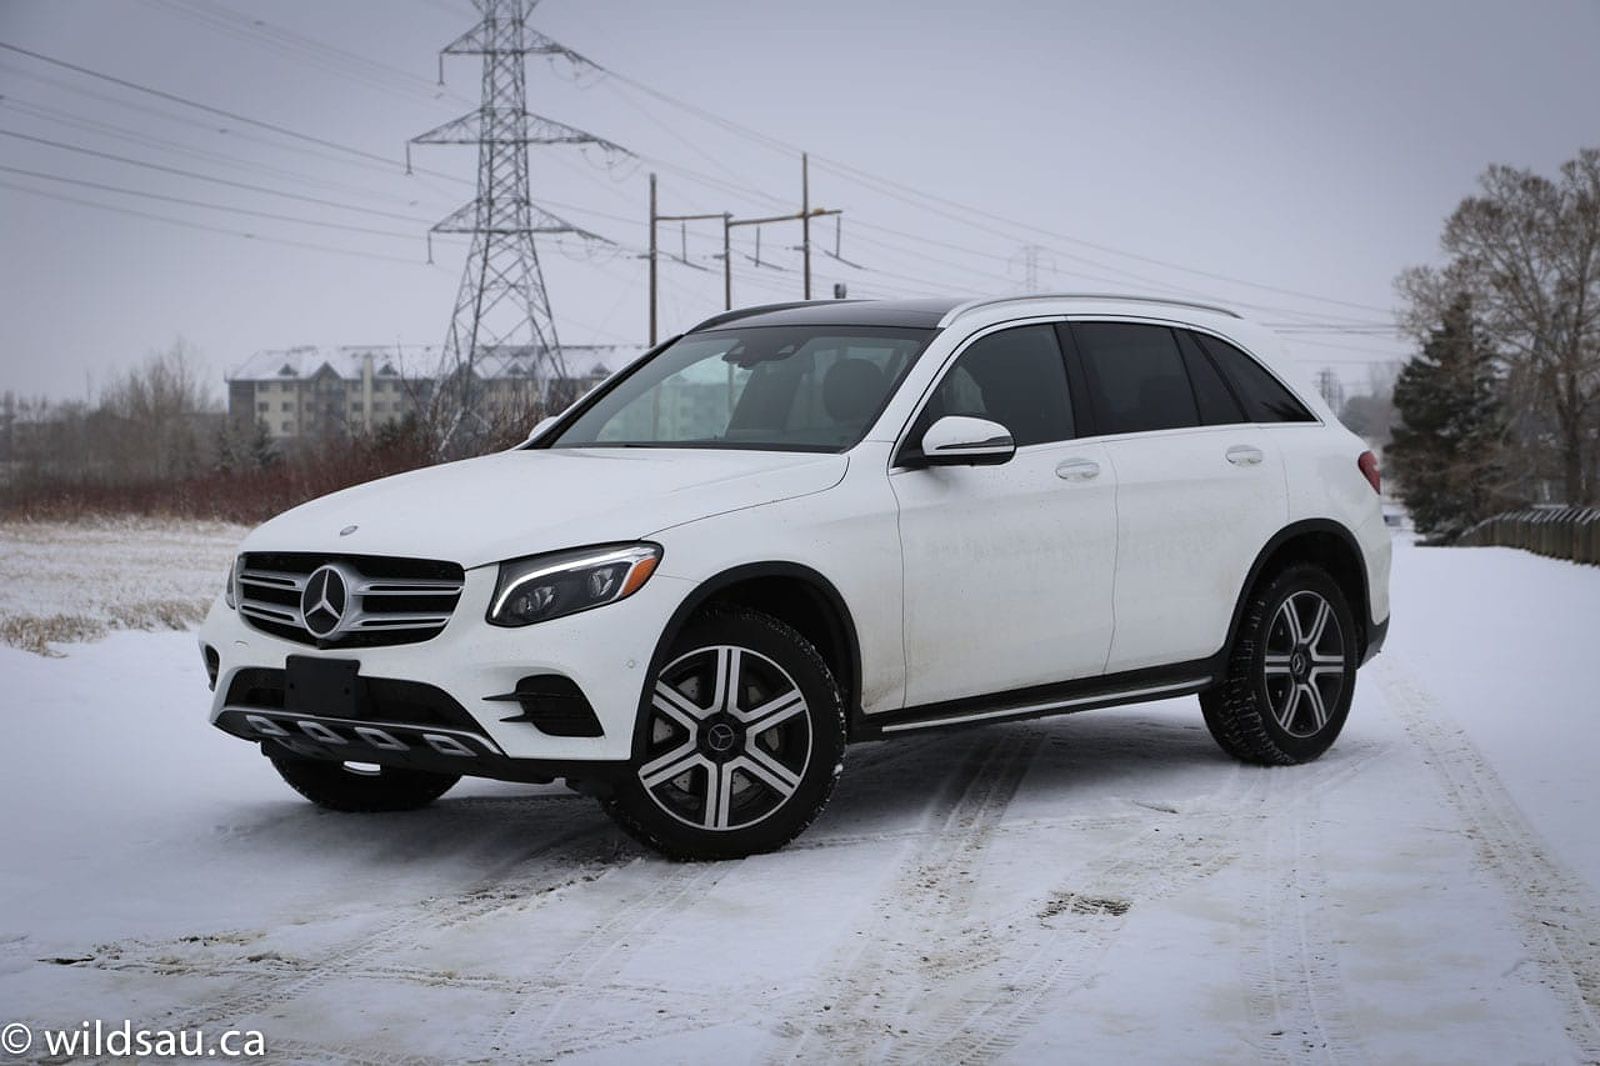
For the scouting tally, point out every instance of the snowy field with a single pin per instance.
(1105, 887)
(76, 581)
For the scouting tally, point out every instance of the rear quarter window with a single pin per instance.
(1263, 397)
(1218, 405)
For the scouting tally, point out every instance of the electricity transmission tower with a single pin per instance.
(502, 306)
(1028, 259)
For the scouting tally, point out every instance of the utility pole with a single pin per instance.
(655, 220)
(729, 224)
(652, 259)
(1331, 386)
(805, 218)
(804, 215)
(502, 304)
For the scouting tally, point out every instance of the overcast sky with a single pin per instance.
(1307, 147)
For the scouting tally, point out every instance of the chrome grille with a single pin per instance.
(386, 600)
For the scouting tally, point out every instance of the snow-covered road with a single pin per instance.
(1101, 887)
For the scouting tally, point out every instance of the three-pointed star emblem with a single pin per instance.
(324, 600)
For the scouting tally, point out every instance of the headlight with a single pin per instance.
(543, 587)
(230, 595)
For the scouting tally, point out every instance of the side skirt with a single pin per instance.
(1083, 694)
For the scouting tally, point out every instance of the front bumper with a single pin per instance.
(605, 652)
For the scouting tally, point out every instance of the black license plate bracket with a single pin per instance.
(327, 687)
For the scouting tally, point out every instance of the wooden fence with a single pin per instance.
(1563, 532)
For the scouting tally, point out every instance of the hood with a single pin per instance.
(518, 503)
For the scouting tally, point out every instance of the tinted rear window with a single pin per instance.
(1136, 377)
(1264, 399)
(1218, 406)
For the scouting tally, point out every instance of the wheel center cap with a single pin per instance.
(1298, 663)
(720, 737)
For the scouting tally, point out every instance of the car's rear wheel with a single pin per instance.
(342, 786)
(1291, 673)
(743, 739)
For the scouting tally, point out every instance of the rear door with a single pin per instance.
(1200, 489)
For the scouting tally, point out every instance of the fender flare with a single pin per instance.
(704, 592)
(1289, 532)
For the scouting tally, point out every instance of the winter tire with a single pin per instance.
(743, 739)
(1291, 673)
(342, 787)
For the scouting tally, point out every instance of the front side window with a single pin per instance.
(784, 388)
(1015, 377)
(1136, 377)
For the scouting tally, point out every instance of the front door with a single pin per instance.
(1008, 569)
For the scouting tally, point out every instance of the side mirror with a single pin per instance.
(956, 440)
(538, 430)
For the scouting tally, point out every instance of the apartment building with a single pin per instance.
(311, 391)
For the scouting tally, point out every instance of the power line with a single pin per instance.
(390, 166)
(1377, 356)
(82, 183)
(113, 130)
(887, 186)
(372, 157)
(204, 177)
(190, 224)
(233, 116)
(384, 76)
(387, 167)
(101, 128)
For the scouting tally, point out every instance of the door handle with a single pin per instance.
(1078, 470)
(1245, 455)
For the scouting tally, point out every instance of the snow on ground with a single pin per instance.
(74, 581)
(1101, 887)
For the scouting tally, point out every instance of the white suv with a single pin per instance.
(804, 525)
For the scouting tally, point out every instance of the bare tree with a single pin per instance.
(151, 427)
(1527, 252)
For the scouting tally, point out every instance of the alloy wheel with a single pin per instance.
(729, 738)
(1304, 667)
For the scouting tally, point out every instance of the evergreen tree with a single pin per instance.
(263, 453)
(1448, 455)
(223, 448)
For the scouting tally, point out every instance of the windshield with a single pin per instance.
(787, 388)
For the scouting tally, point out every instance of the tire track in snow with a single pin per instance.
(1028, 954)
(976, 781)
(536, 1026)
(260, 989)
(933, 889)
(1558, 914)
(1061, 941)
(1297, 997)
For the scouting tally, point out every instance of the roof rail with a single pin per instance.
(760, 309)
(973, 305)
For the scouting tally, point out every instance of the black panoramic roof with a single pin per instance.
(923, 314)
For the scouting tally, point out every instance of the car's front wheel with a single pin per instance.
(1291, 673)
(743, 739)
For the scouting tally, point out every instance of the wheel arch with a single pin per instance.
(795, 594)
(1329, 545)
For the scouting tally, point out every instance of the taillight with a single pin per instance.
(1369, 470)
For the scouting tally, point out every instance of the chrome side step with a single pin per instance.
(1176, 688)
